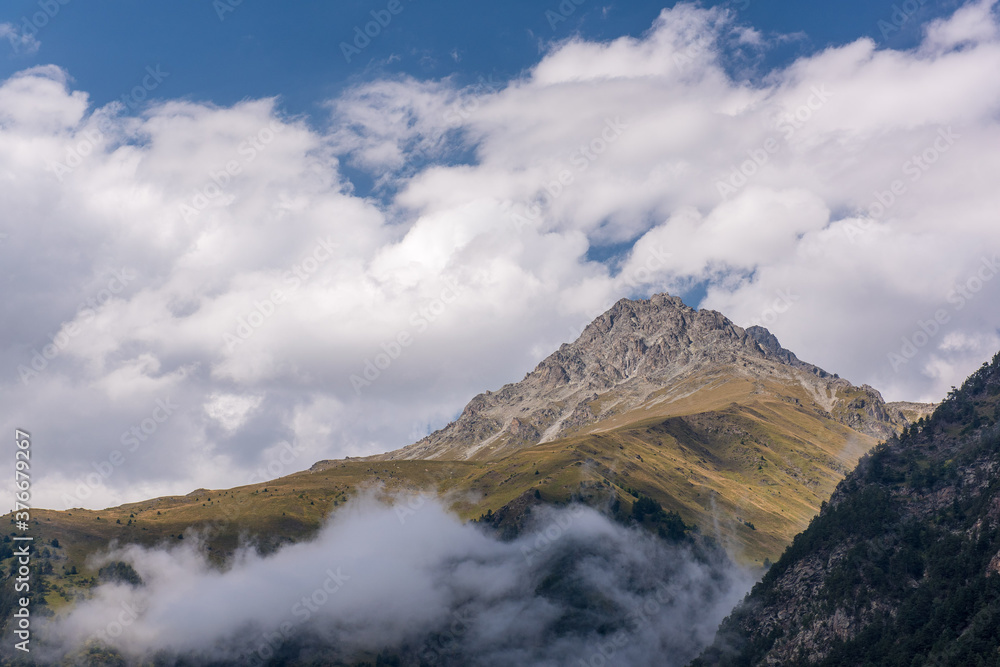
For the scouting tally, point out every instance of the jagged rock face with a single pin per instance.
(621, 360)
(902, 566)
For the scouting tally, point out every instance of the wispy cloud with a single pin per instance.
(23, 43)
(420, 584)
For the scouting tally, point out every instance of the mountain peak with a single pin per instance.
(626, 357)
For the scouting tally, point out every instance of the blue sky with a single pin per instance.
(292, 50)
(244, 240)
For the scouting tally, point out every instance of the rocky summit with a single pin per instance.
(647, 358)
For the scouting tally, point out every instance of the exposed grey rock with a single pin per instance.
(624, 359)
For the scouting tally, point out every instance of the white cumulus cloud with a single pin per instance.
(191, 252)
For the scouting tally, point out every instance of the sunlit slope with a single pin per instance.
(746, 444)
(766, 462)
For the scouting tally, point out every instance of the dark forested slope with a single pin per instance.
(902, 566)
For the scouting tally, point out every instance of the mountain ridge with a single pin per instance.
(618, 364)
(719, 426)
